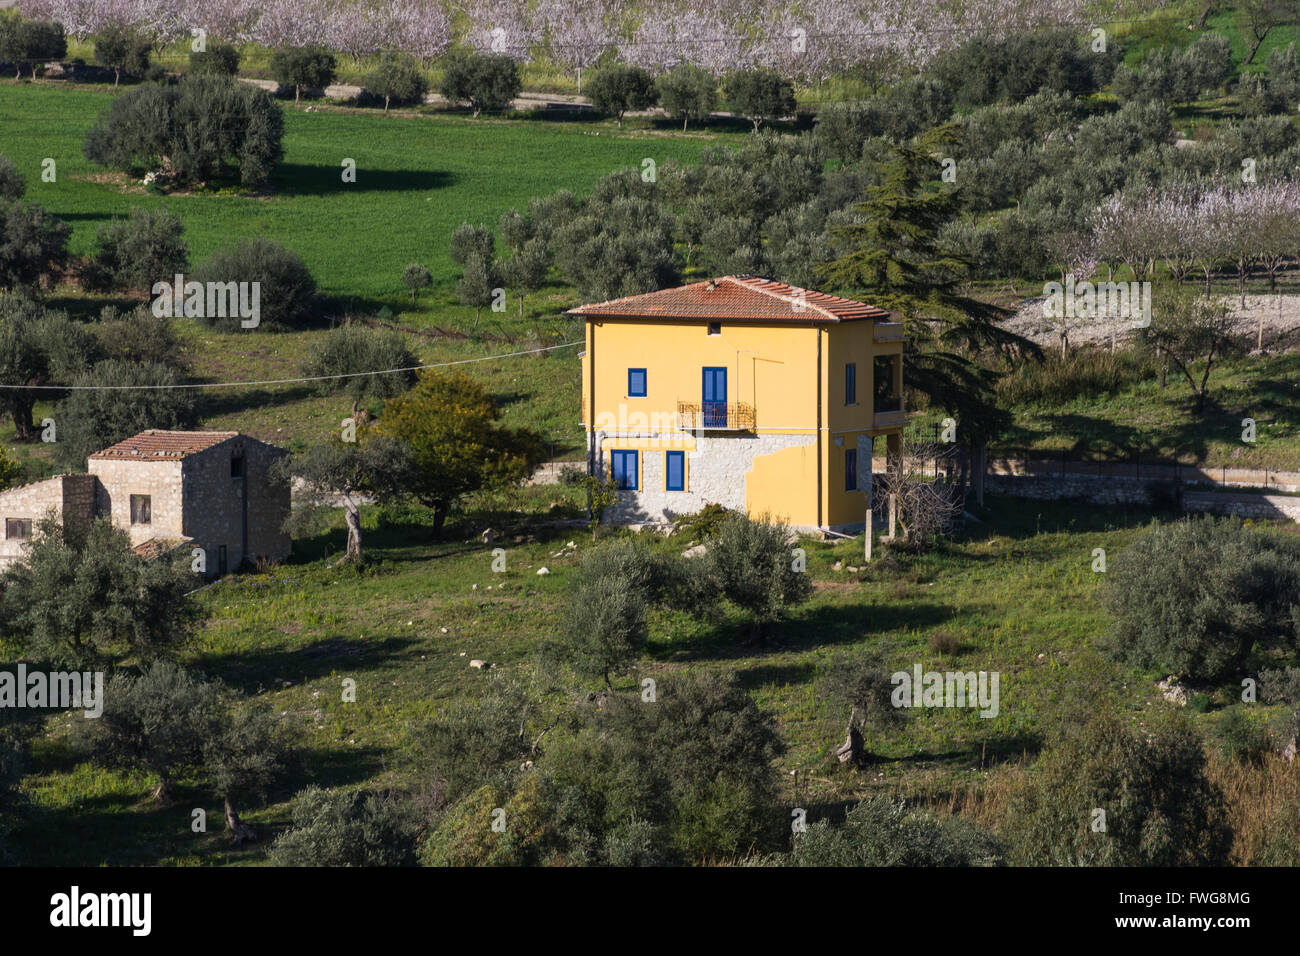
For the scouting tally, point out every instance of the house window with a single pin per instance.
(625, 469)
(221, 559)
(850, 469)
(675, 470)
(237, 466)
(636, 383)
(851, 384)
(141, 509)
(715, 328)
(18, 529)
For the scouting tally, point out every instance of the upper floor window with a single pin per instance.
(237, 466)
(18, 528)
(851, 384)
(636, 383)
(141, 509)
(715, 328)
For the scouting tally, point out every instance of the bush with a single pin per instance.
(1058, 380)
(481, 80)
(1195, 597)
(351, 349)
(335, 828)
(303, 68)
(688, 92)
(202, 128)
(884, 831)
(286, 287)
(12, 182)
(91, 419)
(753, 563)
(122, 50)
(136, 252)
(140, 336)
(1160, 808)
(1239, 738)
(219, 59)
(618, 88)
(397, 79)
(760, 95)
(986, 69)
(604, 626)
(33, 244)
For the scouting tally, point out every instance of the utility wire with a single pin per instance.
(284, 381)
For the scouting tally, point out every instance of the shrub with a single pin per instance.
(92, 419)
(618, 88)
(760, 95)
(219, 59)
(1239, 738)
(397, 79)
(481, 80)
(1195, 597)
(33, 244)
(688, 92)
(352, 349)
(140, 336)
(286, 287)
(754, 567)
(1060, 379)
(1160, 808)
(138, 251)
(122, 50)
(884, 831)
(304, 67)
(604, 626)
(336, 828)
(202, 128)
(10, 469)
(12, 182)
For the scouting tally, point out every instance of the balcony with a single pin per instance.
(888, 411)
(716, 416)
(889, 332)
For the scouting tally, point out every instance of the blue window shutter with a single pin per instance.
(850, 469)
(850, 384)
(636, 383)
(675, 469)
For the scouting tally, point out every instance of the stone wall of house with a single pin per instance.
(159, 479)
(219, 506)
(715, 472)
(70, 497)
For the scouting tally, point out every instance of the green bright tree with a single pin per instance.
(450, 424)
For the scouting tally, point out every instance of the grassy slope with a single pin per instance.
(1021, 600)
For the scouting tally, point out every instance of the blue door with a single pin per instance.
(714, 411)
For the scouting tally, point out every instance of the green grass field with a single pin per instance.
(1020, 600)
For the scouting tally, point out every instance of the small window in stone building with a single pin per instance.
(221, 559)
(141, 510)
(237, 466)
(18, 528)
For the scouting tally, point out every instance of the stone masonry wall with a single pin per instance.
(215, 505)
(715, 474)
(159, 479)
(31, 501)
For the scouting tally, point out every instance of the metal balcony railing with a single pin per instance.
(722, 416)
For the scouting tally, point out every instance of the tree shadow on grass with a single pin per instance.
(214, 402)
(301, 179)
(254, 671)
(825, 626)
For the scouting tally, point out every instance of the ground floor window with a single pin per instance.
(850, 469)
(675, 470)
(18, 528)
(624, 464)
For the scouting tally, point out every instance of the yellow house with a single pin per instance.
(744, 392)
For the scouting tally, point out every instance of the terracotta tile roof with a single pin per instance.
(160, 444)
(735, 299)
(157, 547)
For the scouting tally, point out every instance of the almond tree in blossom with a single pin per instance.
(578, 32)
(507, 27)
